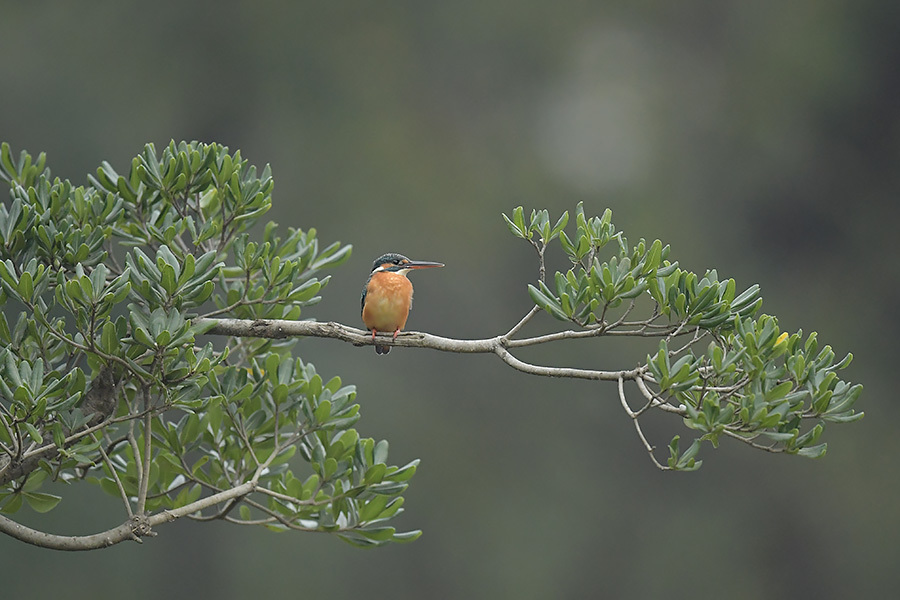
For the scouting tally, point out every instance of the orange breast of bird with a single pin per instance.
(388, 298)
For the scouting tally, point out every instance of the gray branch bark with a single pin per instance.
(134, 528)
(499, 345)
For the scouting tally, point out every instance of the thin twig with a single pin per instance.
(655, 400)
(115, 476)
(637, 426)
(534, 310)
(145, 472)
(750, 442)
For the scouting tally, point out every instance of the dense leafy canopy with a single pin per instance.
(103, 377)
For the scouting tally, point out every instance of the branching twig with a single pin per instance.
(750, 442)
(115, 476)
(534, 310)
(637, 426)
(655, 400)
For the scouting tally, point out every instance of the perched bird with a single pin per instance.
(387, 297)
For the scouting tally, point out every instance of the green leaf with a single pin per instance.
(109, 338)
(560, 225)
(10, 503)
(33, 433)
(375, 473)
(843, 418)
(687, 462)
(373, 508)
(35, 480)
(513, 228)
(745, 298)
(378, 534)
(41, 502)
(323, 411)
(407, 536)
(813, 451)
(26, 286)
(380, 454)
(404, 473)
(654, 255)
(547, 303)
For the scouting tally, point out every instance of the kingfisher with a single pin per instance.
(387, 296)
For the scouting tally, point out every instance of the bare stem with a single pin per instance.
(115, 476)
(637, 426)
(145, 472)
(534, 310)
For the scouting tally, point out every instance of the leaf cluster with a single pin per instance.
(100, 285)
(750, 381)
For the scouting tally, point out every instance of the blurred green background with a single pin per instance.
(759, 138)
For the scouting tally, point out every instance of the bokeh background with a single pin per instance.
(759, 138)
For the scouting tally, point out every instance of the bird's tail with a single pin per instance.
(379, 349)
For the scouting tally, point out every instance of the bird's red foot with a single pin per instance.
(396, 333)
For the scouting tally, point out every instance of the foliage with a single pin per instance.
(720, 364)
(104, 378)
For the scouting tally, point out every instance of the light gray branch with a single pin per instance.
(280, 329)
(525, 367)
(499, 345)
(134, 528)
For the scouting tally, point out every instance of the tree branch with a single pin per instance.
(134, 528)
(525, 367)
(278, 329)
(130, 529)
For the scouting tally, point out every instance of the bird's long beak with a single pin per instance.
(422, 264)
